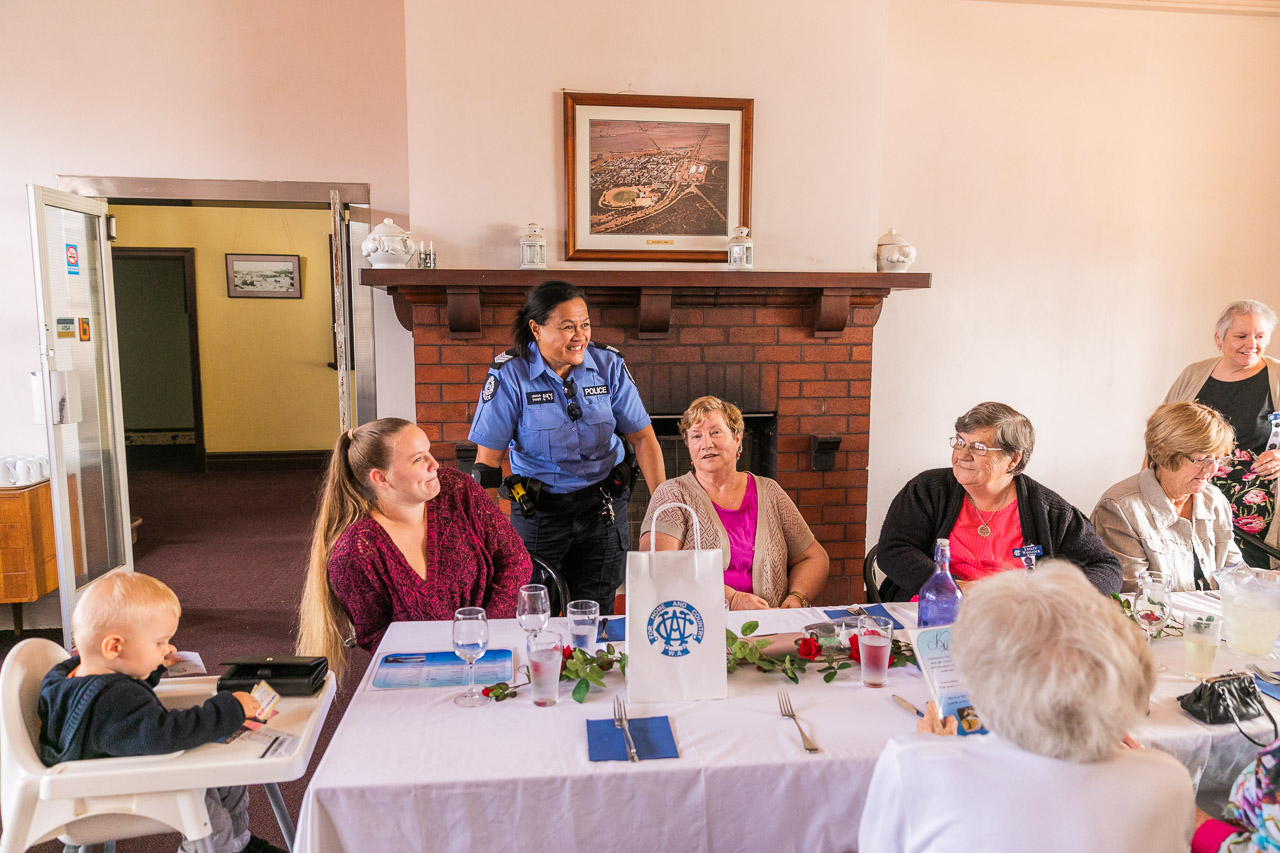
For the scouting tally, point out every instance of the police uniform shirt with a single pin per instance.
(523, 407)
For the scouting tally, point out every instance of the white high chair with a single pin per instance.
(101, 800)
(77, 801)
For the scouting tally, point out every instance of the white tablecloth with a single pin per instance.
(409, 770)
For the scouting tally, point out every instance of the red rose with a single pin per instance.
(485, 691)
(568, 652)
(810, 649)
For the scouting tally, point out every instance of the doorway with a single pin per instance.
(159, 346)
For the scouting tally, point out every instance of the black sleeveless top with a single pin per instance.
(1246, 405)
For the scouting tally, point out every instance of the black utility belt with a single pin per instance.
(590, 493)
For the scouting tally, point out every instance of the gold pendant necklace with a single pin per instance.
(984, 529)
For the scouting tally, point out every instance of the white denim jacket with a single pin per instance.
(1136, 520)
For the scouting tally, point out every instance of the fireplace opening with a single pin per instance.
(759, 456)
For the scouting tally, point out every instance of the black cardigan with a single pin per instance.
(927, 508)
(98, 716)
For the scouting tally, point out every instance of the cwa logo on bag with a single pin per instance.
(676, 624)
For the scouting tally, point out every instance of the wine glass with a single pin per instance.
(1151, 604)
(470, 638)
(533, 608)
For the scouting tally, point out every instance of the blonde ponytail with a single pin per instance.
(346, 497)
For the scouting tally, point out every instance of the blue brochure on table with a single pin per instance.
(440, 669)
(933, 654)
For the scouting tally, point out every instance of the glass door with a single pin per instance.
(80, 375)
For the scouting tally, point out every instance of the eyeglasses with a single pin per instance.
(570, 389)
(978, 448)
(1207, 462)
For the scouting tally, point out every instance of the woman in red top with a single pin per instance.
(988, 508)
(398, 538)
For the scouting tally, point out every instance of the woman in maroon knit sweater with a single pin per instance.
(398, 538)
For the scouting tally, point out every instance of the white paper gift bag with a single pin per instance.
(675, 622)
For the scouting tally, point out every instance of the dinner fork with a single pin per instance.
(620, 721)
(1269, 677)
(784, 705)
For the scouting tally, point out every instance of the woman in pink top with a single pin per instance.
(398, 538)
(770, 556)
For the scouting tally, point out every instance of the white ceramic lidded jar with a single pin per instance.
(740, 249)
(894, 253)
(388, 247)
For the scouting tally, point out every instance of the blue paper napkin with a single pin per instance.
(1272, 690)
(612, 631)
(652, 736)
(872, 610)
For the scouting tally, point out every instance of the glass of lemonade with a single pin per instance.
(546, 652)
(1250, 609)
(1200, 639)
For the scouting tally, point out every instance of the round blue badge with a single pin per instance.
(675, 624)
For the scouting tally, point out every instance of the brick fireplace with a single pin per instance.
(794, 346)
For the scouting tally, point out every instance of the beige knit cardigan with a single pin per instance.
(1186, 387)
(781, 532)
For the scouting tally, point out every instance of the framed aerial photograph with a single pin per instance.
(655, 177)
(264, 276)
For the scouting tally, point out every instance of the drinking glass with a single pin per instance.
(1151, 605)
(546, 652)
(1200, 641)
(533, 608)
(875, 638)
(584, 616)
(470, 639)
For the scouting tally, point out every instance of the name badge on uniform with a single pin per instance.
(536, 397)
(595, 390)
(1027, 554)
(1273, 443)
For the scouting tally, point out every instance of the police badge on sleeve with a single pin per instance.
(491, 385)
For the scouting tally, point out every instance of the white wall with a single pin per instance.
(307, 90)
(1088, 187)
(485, 118)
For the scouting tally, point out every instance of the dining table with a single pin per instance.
(408, 769)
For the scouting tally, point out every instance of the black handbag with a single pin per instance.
(287, 675)
(1228, 698)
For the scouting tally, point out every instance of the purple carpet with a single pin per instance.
(233, 546)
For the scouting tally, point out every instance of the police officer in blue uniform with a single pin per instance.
(558, 403)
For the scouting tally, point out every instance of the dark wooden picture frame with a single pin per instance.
(261, 276)
(668, 159)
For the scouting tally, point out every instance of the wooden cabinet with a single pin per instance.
(28, 553)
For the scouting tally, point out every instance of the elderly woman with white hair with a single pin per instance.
(1058, 676)
(1244, 385)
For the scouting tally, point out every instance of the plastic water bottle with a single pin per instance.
(939, 597)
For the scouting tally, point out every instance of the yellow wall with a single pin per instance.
(264, 377)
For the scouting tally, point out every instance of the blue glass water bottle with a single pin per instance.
(939, 597)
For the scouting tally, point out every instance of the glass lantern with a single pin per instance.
(740, 249)
(533, 249)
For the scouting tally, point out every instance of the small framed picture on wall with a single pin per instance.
(264, 276)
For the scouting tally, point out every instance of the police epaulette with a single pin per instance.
(503, 357)
(608, 348)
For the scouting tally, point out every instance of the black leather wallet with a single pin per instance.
(287, 675)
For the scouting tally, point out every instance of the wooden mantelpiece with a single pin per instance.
(462, 291)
